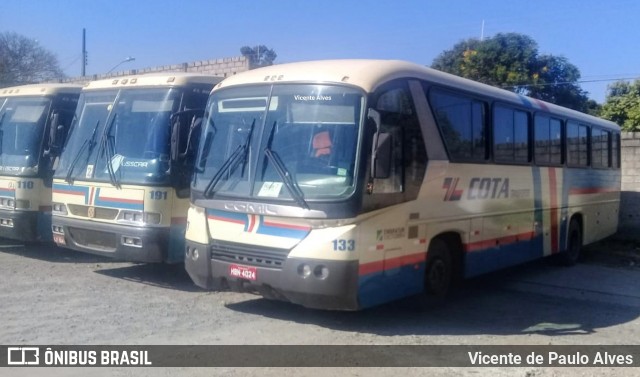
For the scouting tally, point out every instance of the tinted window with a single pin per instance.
(548, 140)
(577, 144)
(510, 135)
(462, 123)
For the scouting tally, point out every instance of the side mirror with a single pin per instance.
(381, 156)
(175, 139)
(381, 149)
(176, 130)
(55, 130)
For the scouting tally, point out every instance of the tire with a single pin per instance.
(438, 273)
(571, 255)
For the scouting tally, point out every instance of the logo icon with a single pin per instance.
(451, 185)
(23, 356)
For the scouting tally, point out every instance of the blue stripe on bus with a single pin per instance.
(7, 192)
(502, 256)
(388, 285)
(72, 190)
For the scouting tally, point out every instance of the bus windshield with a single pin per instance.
(281, 142)
(22, 122)
(121, 137)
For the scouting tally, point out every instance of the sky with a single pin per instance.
(599, 37)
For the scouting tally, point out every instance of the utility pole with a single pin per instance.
(84, 52)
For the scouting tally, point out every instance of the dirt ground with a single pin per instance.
(56, 296)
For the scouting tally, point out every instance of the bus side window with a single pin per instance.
(577, 144)
(462, 123)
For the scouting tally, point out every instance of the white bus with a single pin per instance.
(121, 188)
(34, 120)
(347, 184)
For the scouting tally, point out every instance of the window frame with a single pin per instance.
(513, 108)
(431, 90)
(563, 157)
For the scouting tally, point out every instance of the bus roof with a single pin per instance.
(153, 79)
(369, 74)
(39, 90)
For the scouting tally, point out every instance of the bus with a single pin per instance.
(34, 120)
(121, 187)
(351, 183)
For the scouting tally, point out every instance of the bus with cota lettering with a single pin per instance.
(121, 188)
(347, 184)
(34, 120)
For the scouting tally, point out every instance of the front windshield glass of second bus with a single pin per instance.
(127, 132)
(311, 129)
(22, 121)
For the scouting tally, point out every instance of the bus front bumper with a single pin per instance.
(122, 242)
(329, 284)
(19, 225)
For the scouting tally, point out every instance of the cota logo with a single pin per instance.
(452, 192)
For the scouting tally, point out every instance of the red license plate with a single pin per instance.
(243, 272)
(59, 239)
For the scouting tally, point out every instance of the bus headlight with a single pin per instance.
(131, 216)
(23, 204)
(59, 208)
(152, 218)
(6, 202)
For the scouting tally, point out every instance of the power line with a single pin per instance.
(572, 82)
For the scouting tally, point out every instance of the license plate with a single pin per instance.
(243, 272)
(59, 239)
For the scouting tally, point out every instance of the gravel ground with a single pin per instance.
(56, 296)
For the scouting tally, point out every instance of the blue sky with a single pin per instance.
(599, 37)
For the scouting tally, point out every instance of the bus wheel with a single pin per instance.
(574, 244)
(438, 271)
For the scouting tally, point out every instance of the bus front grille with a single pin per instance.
(251, 255)
(97, 212)
(93, 239)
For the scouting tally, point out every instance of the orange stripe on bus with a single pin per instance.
(487, 244)
(389, 264)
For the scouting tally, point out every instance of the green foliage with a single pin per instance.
(622, 105)
(259, 56)
(24, 61)
(512, 61)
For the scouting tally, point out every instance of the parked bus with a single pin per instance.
(121, 188)
(34, 120)
(347, 184)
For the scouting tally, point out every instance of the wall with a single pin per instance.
(218, 67)
(630, 196)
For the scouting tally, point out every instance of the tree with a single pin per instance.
(24, 61)
(512, 61)
(258, 56)
(622, 105)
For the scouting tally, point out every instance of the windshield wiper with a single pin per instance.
(289, 182)
(88, 144)
(107, 144)
(239, 155)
